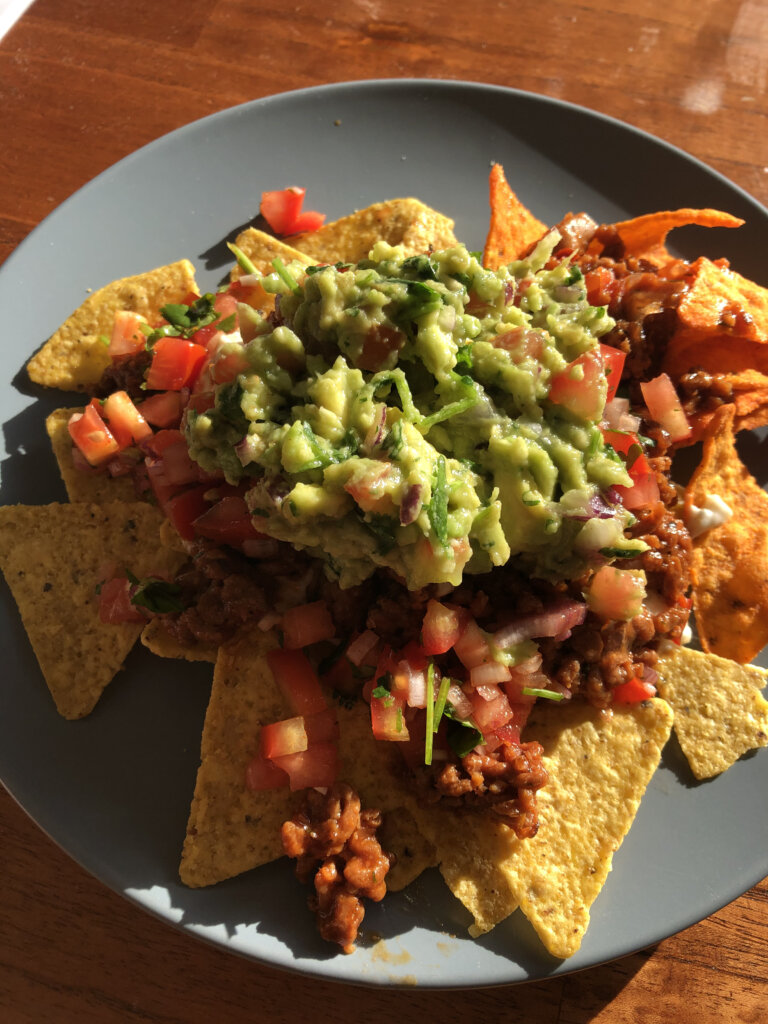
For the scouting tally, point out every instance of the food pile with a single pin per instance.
(414, 503)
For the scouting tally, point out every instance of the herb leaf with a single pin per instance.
(438, 505)
(158, 596)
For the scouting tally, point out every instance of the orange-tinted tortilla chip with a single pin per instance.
(513, 228)
(722, 323)
(646, 236)
(748, 392)
(730, 561)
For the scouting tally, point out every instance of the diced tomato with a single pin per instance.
(225, 304)
(472, 646)
(579, 387)
(388, 718)
(520, 343)
(603, 288)
(163, 439)
(202, 401)
(415, 655)
(286, 737)
(368, 491)
(362, 649)
(115, 602)
(318, 765)
(490, 715)
(645, 489)
(262, 774)
(228, 521)
(665, 408)
(616, 593)
(308, 220)
(307, 624)
(379, 344)
(281, 208)
(633, 691)
(509, 733)
(184, 508)
(297, 681)
(92, 436)
(127, 337)
(644, 492)
(175, 363)
(125, 421)
(441, 628)
(163, 409)
(613, 361)
(341, 676)
(228, 365)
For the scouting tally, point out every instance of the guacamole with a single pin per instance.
(422, 414)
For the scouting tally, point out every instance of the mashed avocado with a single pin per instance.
(423, 414)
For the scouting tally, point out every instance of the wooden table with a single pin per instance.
(85, 82)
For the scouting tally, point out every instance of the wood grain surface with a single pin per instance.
(85, 82)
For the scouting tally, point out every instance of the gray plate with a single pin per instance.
(114, 789)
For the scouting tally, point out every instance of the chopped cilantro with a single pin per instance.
(438, 505)
(156, 595)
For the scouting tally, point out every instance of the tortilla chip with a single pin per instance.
(513, 228)
(644, 237)
(722, 323)
(599, 767)
(375, 770)
(232, 829)
(407, 222)
(53, 558)
(472, 850)
(730, 561)
(720, 713)
(83, 485)
(156, 639)
(749, 395)
(75, 357)
(261, 249)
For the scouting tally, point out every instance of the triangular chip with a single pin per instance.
(75, 357)
(730, 561)
(722, 323)
(645, 237)
(599, 767)
(406, 222)
(748, 391)
(84, 485)
(232, 829)
(261, 249)
(513, 228)
(53, 558)
(720, 713)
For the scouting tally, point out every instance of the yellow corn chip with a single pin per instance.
(53, 558)
(599, 767)
(156, 639)
(730, 561)
(720, 713)
(75, 357)
(232, 829)
(83, 485)
(407, 222)
(400, 835)
(261, 249)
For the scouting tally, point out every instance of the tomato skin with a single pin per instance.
(127, 337)
(184, 508)
(645, 488)
(632, 692)
(286, 737)
(125, 421)
(175, 363)
(388, 718)
(164, 409)
(616, 593)
(490, 715)
(379, 344)
(665, 408)
(613, 361)
(307, 624)
(472, 646)
(297, 681)
(262, 774)
(318, 765)
(115, 603)
(280, 208)
(579, 387)
(228, 522)
(92, 436)
(441, 628)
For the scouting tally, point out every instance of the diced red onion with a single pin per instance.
(487, 674)
(617, 416)
(411, 504)
(375, 433)
(563, 615)
(361, 646)
(459, 701)
(417, 685)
